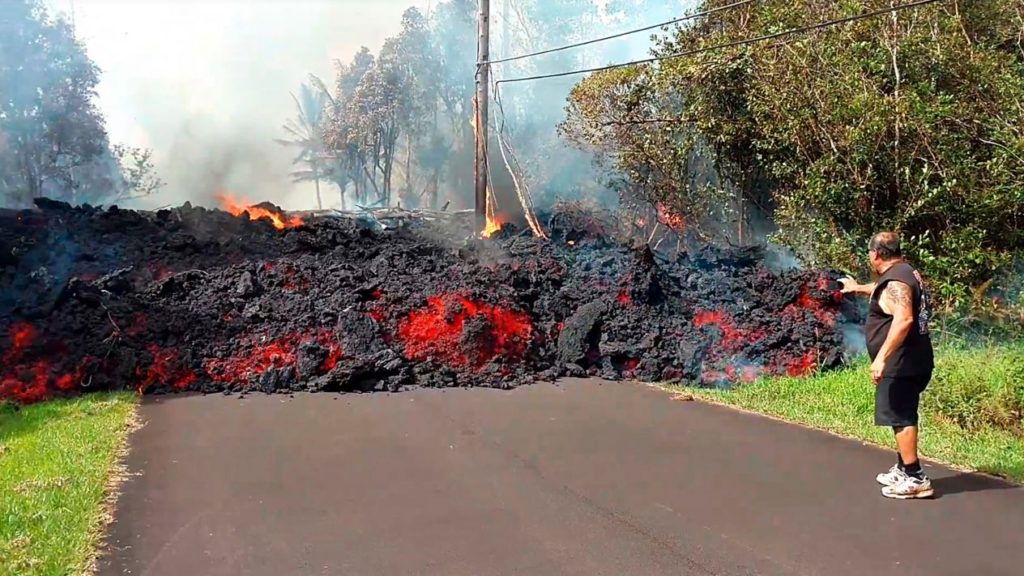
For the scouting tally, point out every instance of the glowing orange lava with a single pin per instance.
(25, 380)
(276, 354)
(236, 207)
(437, 332)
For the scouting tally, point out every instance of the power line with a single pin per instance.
(744, 42)
(622, 34)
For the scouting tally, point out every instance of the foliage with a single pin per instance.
(379, 100)
(52, 136)
(971, 411)
(910, 122)
(306, 131)
(976, 388)
(407, 114)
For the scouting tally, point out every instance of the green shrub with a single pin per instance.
(976, 388)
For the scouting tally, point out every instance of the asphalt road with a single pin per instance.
(582, 478)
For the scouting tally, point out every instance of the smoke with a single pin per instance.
(206, 85)
(533, 109)
(854, 341)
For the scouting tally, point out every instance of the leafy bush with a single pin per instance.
(910, 121)
(976, 388)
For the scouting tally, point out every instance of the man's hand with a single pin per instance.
(877, 369)
(851, 286)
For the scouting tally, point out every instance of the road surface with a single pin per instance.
(583, 478)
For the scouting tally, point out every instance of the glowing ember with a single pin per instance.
(673, 221)
(237, 207)
(437, 332)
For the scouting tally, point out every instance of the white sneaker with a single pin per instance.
(894, 476)
(910, 488)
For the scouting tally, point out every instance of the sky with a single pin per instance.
(205, 83)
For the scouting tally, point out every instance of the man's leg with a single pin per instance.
(906, 445)
(904, 399)
(885, 416)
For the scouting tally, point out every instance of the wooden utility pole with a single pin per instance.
(482, 93)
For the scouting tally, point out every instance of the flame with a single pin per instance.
(493, 226)
(236, 207)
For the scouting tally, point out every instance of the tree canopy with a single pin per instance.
(52, 136)
(913, 121)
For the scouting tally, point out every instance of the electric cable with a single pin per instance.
(744, 42)
(622, 34)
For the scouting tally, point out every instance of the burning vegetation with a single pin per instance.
(190, 299)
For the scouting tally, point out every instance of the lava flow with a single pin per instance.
(236, 207)
(190, 299)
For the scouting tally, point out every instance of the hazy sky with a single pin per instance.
(206, 84)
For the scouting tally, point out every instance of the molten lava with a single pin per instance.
(167, 368)
(805, 302)
(438, 332)
(276, 354)
(237, 207)
(733, 336)
(28, 381)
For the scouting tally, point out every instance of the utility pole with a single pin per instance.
(482, 86)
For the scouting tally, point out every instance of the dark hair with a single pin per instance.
(886, 245)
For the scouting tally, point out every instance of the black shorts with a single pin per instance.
(897, 398)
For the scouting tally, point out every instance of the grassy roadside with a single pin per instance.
(972, 413)
(56, 463)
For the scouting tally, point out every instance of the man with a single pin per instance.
(900, 348)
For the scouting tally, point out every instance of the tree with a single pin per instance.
(911, 121)
(50, 123)
(306, 129)
(340, 137)
(52, 136)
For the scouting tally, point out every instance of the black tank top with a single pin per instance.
(915, 356)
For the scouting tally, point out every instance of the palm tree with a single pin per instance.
(307, 134)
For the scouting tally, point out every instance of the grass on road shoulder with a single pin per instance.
(972, 413)
(56, 461)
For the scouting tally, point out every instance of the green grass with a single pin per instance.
(972, 413)
(56, 463)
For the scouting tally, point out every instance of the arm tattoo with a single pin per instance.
(899, 295)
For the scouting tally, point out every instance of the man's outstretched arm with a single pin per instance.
(850, 286)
